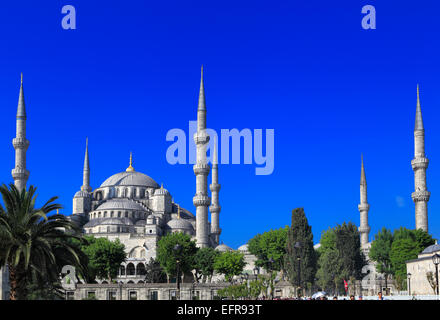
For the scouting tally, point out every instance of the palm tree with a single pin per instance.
(33, 245)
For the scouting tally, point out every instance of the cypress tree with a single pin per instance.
(300, 232)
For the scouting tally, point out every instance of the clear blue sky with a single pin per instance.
(331, 90)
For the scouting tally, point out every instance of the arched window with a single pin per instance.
(140, 269)
(122, 271)
(131, 271)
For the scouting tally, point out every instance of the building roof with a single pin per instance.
(431, 249)
(243, 248)
(222, 247)
(180, 224)
(132, 178)
(121, 204)
(108, 221)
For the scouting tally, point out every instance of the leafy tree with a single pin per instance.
(33, 244)
(329, 269)
(230, 264)
(402, 250)
(154, 272)
(300, 232)
(380, 252)
(204, 262)
(168, 258)
(105, 256)
(269, 245)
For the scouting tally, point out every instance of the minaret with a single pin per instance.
(201, 199)
(419, 164)
(21, 144)
(215, 205)
(86, 171)
(363, 207)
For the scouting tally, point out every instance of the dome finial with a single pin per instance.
(178, 212)
(130, 167)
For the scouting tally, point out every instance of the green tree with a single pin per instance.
(402, 250)
(154, 272)
(204, 262)
(270, 245)
(230, 264)
(168, 258)
(349, 247)
(329, 268)
(380, 253)
(105, 257)
(33, 244)
(300, 232)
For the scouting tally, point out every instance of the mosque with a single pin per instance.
(132, 207)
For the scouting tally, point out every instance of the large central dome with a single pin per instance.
(130, 178)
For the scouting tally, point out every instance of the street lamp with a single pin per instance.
(297, 246)
(177, 250)
(409, 283)
(436, 261)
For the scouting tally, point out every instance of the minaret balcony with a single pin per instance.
(364, 229)
(364, 207)
(419, 163)
(214, 187)
(20, 143)
(420, 195)
(20, 173)
(215, 208)
(201, 168)
(201, 137)
(201, 200)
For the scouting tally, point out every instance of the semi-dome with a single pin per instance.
(431, 249)
(130, 178)
(121, 204)
(180, 224)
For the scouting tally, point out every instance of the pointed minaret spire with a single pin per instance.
(86, 171)
(20, 143)
(363, 178)
(215, 207)
(419, 119)
(201, 199)
(130, 167)
(202, 102)
(419, 165)
(363, 207)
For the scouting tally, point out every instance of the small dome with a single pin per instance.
(123, 204)
(82, 194)
(223, 248)
(243, 248)
(161, 191)
(180, 224)
(431, 249)
(140, 223)
(131, 178)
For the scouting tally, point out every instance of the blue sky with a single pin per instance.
(330, 90)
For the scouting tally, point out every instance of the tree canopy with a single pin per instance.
(168, 258)
(269, 245)
(230, 264)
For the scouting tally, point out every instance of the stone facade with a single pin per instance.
(418, 283)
